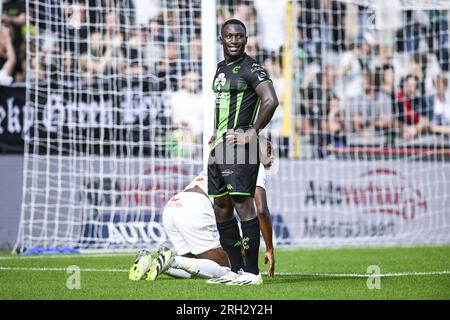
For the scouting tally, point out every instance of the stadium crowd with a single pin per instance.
(359, 77)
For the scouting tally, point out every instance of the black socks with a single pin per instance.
(250, 242)
(230, 240)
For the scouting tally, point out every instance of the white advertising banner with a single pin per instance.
(339, 203)
(116, 203)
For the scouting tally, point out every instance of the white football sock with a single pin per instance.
(178, 273)
(203, 268)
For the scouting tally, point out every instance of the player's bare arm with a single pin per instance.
(265, 224)
(269, 103)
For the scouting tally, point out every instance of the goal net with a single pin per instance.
(361, 134)
(361, 131)
(116, 124)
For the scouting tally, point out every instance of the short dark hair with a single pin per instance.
(233, 21)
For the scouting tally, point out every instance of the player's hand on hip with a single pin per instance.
(240, 137)
(269, 257)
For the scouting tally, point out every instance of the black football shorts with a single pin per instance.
(233, 170)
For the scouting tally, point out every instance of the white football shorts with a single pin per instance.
(189, 221)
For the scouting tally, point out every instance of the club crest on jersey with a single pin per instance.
(220, 81)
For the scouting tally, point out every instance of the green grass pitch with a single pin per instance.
(407, 273)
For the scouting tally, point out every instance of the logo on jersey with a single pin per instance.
(227, 172)
(220, 81)
(256, 67)
(236, 69)
(214, 231)
(260, 73)
(173, 203)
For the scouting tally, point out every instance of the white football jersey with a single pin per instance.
(200, 181)
(262, 177)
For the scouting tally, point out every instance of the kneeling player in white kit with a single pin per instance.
(189, 221)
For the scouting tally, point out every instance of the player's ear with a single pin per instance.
(220, 39)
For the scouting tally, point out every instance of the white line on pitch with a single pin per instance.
(349, 275)
(73, 256)
(59, 269)
(354, 275)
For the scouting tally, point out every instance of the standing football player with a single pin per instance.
(241, 87)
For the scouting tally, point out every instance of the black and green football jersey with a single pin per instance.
(236, 100)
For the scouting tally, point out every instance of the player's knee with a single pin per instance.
(244, 207)
(241, 207)
(222, 214)
(217, 255)
(246, 212)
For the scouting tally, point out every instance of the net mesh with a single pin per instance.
(116, 129)
(362, 139)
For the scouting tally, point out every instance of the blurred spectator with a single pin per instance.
(411, 108)
(300, 64)
(322, 26)
(372, 111)
(321, 77)
(254, 49)
(440, 121)
(95, 62)
(7, 56)
(68, 64)
(384, 81)
(334, 127)
(353, 65)
(419, 68)
(438, 37)
(408, 38)
(384, 84)
(334, 27)
(146, 10)
(133, 59)
(246, 12)
(311, 77)
(168, 68)
(172, 24)
(153, 47)
(75, 28)
(194, 59)
(187, 114)
(361, 107)
(124, 10)
(273, 69)
(21, 75)
(14, 16)
(329, 81)
(388, 19)
(272, 31)
(37, 70)
(311, 115)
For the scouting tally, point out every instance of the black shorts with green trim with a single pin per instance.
(233, 170)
